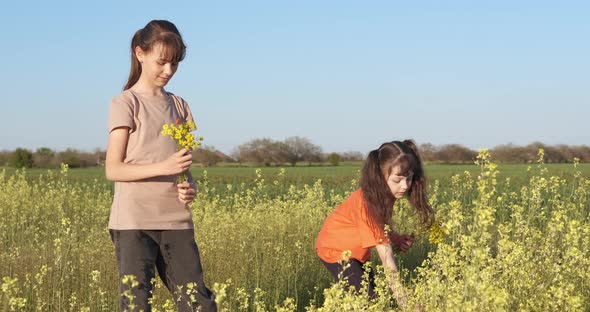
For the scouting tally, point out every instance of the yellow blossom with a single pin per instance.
(346, 255)
(436, 233)
(180, 132)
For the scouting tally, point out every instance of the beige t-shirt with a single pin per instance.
(149, 204)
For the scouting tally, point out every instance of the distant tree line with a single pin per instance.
(293, 150)
(45, 157)
(507, 153)
(269, 152)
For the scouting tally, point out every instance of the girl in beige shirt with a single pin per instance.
(150, 222)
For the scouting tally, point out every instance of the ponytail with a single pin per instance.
(376, 194)
(417, 193)
(413, 147)
(372, 164)
(135, 71)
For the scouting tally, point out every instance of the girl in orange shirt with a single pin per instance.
(363, 220)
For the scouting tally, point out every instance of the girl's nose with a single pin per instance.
(168, 69)
(404, 184)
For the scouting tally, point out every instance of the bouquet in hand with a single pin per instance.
(181, 132)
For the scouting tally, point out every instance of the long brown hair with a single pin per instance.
(155, 32)
(376, 193)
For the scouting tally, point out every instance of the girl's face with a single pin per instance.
(155, 68)
(398, 184)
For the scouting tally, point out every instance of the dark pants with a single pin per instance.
(353, 275)
(175, 255)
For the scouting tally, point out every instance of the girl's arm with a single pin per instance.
(386, 254)
(117, 170)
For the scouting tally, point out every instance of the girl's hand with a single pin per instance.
(399, 291)
(401, 298)
(186, 192)
(403, 242)
(177, 162)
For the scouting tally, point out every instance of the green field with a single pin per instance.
(507, 238)
(332, 175)
(339, 179)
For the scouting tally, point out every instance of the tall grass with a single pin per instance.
(501, 243)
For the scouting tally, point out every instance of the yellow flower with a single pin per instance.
(436, 233)
(180, 132)
(346, 255)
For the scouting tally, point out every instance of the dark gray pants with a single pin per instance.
(174, 254)
(353, 274)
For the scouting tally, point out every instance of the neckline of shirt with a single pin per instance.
(153, 98)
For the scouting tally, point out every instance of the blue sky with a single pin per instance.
(348, 75)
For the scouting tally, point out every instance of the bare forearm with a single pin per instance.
(118, 170)
(122, 172)
(386, 254)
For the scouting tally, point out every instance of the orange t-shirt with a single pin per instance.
(348, 228)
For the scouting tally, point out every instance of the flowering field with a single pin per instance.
(503, 241)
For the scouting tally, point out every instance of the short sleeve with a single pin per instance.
(370, 235)
(121, 115)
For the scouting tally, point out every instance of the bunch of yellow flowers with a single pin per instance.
(181, 132)
(437, 233)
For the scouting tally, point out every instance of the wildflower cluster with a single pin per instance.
(436, 233)
(498, 244)
(181, 132)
